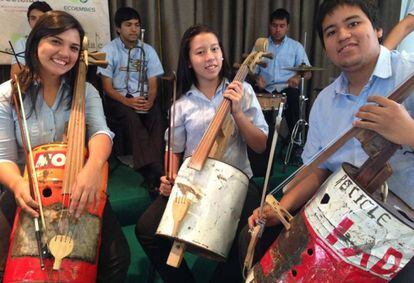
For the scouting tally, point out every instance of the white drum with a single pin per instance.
(217, 195)
(270, 102)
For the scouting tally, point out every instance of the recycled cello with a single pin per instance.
(216, 190)
(55, 167)
(349, 231)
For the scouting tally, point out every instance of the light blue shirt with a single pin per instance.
(117, 56)
(194, 112)
(20, 48)
(46, 124)
(289, 53)
(334, 111)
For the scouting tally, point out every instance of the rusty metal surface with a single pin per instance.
(342, 235)
(360, 230)
(371, 142)
(290, 245)
(85, 234)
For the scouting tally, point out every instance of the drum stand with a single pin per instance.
(299, 130)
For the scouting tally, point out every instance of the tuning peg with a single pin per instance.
(236, 66)
(97, 55)
(169, 77)
(100, 63)
(261, 44)
(262, 64)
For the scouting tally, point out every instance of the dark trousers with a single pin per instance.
(114, 257)
(138, 134)
(406, 275)
(292, 106)
(158, 249)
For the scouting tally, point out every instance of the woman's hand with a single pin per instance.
(23, 198)
(166, 186)
(234, 92)
(85, 191)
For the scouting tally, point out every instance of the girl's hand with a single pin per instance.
(166, 186)
(85, 190)
(234, 92)
(23, 198)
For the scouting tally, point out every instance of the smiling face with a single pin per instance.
(206, 57)
(350, 40)
(58, 53)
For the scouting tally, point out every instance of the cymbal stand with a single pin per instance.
(299, 130)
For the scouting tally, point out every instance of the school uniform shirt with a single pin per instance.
(46, 124)
(123, 66)
(289, 53)
(194, 112)
(334, 111)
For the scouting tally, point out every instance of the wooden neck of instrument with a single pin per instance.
(201, 153)
(75, 155)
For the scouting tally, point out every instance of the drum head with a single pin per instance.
(270, 101)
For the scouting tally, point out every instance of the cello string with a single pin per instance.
(74, 149)
(67, 173)
(310, 161)
(207, 141)
(73, 165)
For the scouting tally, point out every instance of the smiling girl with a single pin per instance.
(47, 83)
(203, 82)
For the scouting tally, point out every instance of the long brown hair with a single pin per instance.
(49, 24)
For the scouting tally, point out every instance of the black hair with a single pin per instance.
(125, 14)
(186, 75)
(38, 5)
(368, 7)
(280, 14)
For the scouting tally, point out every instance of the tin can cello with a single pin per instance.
(346, 233)
(221, 123)
(55, 167)
(342, 235)
(80, 266)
